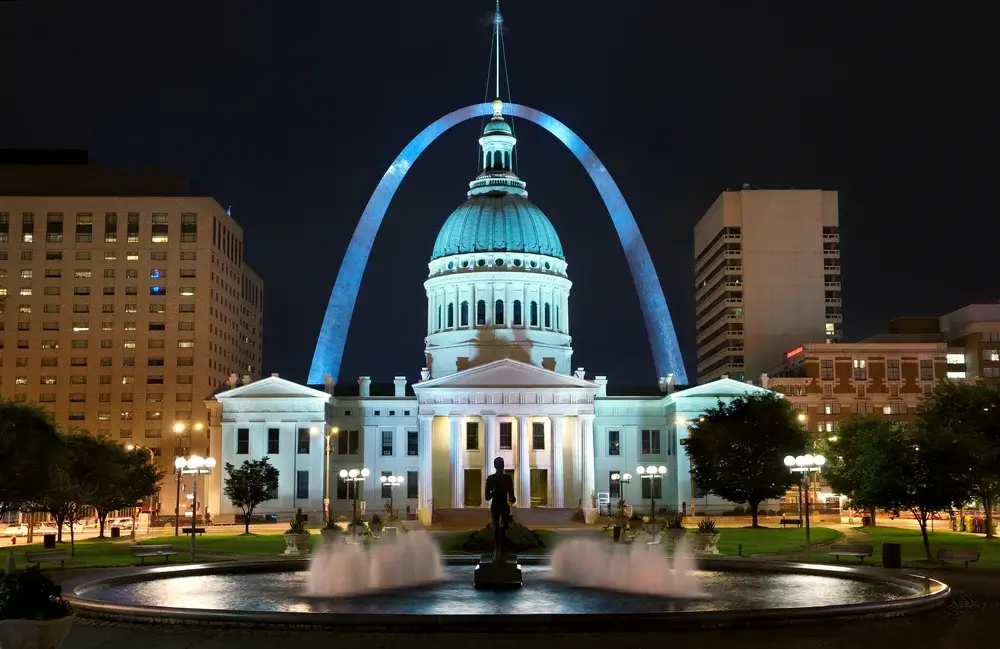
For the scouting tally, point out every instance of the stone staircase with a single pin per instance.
(472, 518)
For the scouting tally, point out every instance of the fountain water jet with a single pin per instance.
(632, 568)
(403, 561)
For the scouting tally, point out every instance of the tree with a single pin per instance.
(70, 490)
(29, 449)
(140, 479)
(931, 461)
(250, 485)
(863, 463)
(736, 449)
(968, 414)
(109, 474)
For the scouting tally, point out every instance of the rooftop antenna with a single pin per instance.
(496, 33)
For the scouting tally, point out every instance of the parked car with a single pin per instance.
(120, 523)
(44, 528)
(16, 530)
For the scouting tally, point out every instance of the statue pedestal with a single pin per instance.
(497, 575)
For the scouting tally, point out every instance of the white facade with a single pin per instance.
(564, 430)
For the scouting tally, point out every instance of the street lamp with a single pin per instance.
(806, 465)
(194, 465)
(326, 470)
(391, 481)
(179, 429)
(651, 473)
(354, 476)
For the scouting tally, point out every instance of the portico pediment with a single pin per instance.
(506, 374)
(270, 388)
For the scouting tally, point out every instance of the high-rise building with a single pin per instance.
(767, 277)
(120, 310)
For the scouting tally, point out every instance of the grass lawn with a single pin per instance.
(771, 540)
(105, 552)
(913, 547)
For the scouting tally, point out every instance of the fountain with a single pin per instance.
(626, 568)
(401, 561)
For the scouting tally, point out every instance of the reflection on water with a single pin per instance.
(456, 596)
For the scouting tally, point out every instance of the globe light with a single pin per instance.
(365, 473)
(800, 460)
(180, 463)
(178, 427)
(807, 460)
(384, 479)
(199, 426)
(627, 477)
(650, 470)
(819, 460)
(344, 473)
(353, 473)
(640, 470)
(662, 469)
(789, 460)
(196, 462)
(615, 477)
(209, 462)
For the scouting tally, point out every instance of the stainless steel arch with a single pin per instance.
(659, 327)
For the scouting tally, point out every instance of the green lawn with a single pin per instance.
(913, 546)
(771, 540)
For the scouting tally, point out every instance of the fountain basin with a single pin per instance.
(269, 594)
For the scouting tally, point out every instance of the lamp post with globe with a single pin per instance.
(391, 481)
(194, 465)
(652, 473)
(355, 477)
(806, 465)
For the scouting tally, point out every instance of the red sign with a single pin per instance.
(794, 352)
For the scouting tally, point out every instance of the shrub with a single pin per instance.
(297, 527)
(31, 595)
(706, 526)
(519, 538)
(672, 520)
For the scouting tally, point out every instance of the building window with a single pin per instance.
(273, 441)
(481, 312)
(242, 441)
(498, 313)
(346, 490)
(861, 391)
(614, 486)
(538, 436)
(303, 445)
(991, 355)
(412, 443)
(548, 316)
(386, 488)
(517, 314)
(451, 315)
(860, 369)
(412, 485)
(54, 227)
(893, 390)
(926, 370)
(84, 228)
(302, 484)
(506, 435)
(652, 488)
(650, 442)
(463, 315)
(828, 391)
(347, 442)
(160, 227)
(533, 314)
(614, 442)
(826, 370)
(892, 369)
(386, 443)
(471, 436)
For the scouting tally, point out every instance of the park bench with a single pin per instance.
(197, 530)
(958, 556)
(142, 551)
(850, 550)
(48, 555)
(797, 522)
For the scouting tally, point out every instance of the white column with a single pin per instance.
(558, 479)
(425, 482)
(577, 441)
(457, 462)
(490, 441)
(524, 461)
(587, 439)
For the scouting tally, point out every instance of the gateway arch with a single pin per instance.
(659, 327)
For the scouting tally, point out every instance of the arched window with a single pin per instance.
(463, 315)
(517, 313)
(548, 316)
(439, 318)
(533, 314)
(558, 312)
(498, 313)
(481, 312)
(451, 315)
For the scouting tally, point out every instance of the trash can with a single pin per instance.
(49, 541)
(866, 521)
(892, 555)
(116, 532)
(618, 533)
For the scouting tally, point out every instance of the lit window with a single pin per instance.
(185, 343)
(25, 290)
(157, 290)
(955, 359)
(956, 375)
(131, 256)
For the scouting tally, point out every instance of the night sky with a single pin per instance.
(292, 111)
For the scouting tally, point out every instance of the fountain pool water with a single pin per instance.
(403, 561)
(626, 568)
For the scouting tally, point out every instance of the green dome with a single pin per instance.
(497, 222)
(497, 126)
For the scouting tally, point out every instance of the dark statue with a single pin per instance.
(500, 493)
